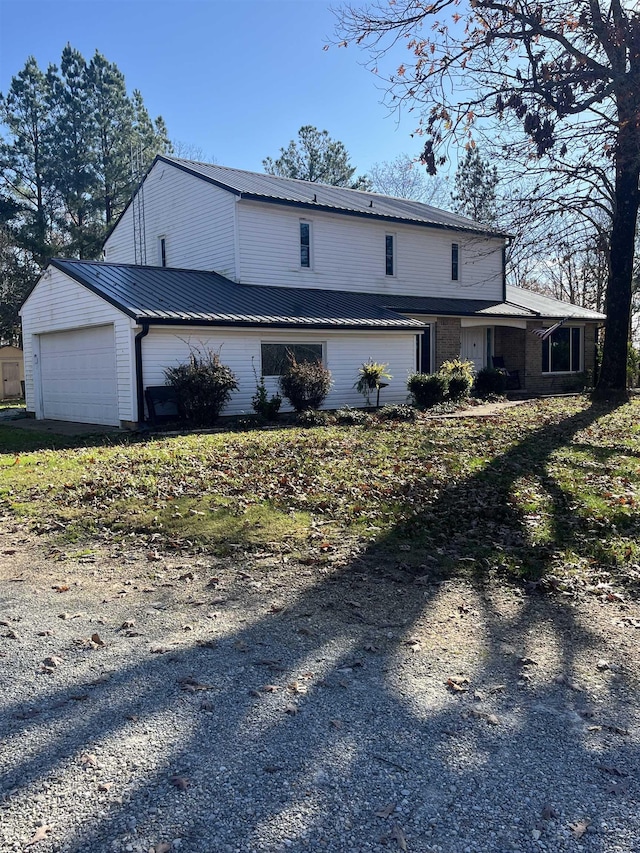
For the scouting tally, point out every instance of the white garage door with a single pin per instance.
(78, 375)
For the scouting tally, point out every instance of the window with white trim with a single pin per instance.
(562, 351)
(277, 357)
(389, 254)
(305, 245)
(162, 251)
(455, 262)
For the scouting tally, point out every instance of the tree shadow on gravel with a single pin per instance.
(362, 708)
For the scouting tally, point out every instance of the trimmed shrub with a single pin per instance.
(490, 382)
(349, 417)
(460, 376)
(312, 418)
(203, 386)
(305, 384)
(427, 389)
(398, 413)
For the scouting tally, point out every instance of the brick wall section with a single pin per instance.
(538, 383)
(447, 340)
(509, 343)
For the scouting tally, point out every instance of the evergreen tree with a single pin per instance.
(475, 188)
(316, 157)
(26, 195)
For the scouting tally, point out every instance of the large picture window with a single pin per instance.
(276, 357)
(562, 351)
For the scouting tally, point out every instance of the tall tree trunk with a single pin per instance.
(612, 382)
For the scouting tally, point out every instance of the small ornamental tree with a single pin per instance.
(203, 386)
(305, 384)
(460, 376)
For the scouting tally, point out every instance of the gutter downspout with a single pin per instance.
(144, 331)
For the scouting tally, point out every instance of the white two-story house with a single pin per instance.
(252, 266)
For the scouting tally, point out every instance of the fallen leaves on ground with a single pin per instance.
(180, 782)
(580, 827)
(41, 834)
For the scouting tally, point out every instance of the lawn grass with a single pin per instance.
(548, 488)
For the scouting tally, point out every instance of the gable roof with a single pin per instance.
(162, 295)
(309, 195)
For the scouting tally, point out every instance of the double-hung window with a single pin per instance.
(305, 245)
(562, 351)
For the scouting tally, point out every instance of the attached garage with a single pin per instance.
(78, 376)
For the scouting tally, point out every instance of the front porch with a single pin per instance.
(563, 362)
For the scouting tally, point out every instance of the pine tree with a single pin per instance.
(475, 188)
(316, 157)
(28, 199)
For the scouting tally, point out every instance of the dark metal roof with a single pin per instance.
(311, 195)
(159, 295)
(545, 306)
(163, 295)
(450, 306)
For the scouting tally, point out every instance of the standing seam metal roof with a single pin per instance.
(164, 295)
(272, 188)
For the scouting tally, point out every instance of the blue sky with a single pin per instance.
(236, 78)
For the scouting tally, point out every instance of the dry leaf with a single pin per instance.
(580, 827)
(180, 782)
(163, 847)
(291, 708)
(336, 724)
(95, 638)
(270, 688)
(61, 588)
(192, 686)
(386, 811)
(52, 661)
(105, 786)
(398, 834)
(618, 787)
(41, 834)
(297, 687)
(548, 812)
(128, 623)
(457, 685)
(187, 576)
(88, 759)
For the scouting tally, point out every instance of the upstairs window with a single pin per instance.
(276, 357)
(562, 351)
(455, 262)
(305, 244)
(389, 259)
(162, 251)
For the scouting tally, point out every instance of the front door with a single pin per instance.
(473, 346)
(11, 379)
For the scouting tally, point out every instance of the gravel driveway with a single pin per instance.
(153, 702)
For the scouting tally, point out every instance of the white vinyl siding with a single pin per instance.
(344, 352)
(58, 304)
(197, 220)
(347, 255)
